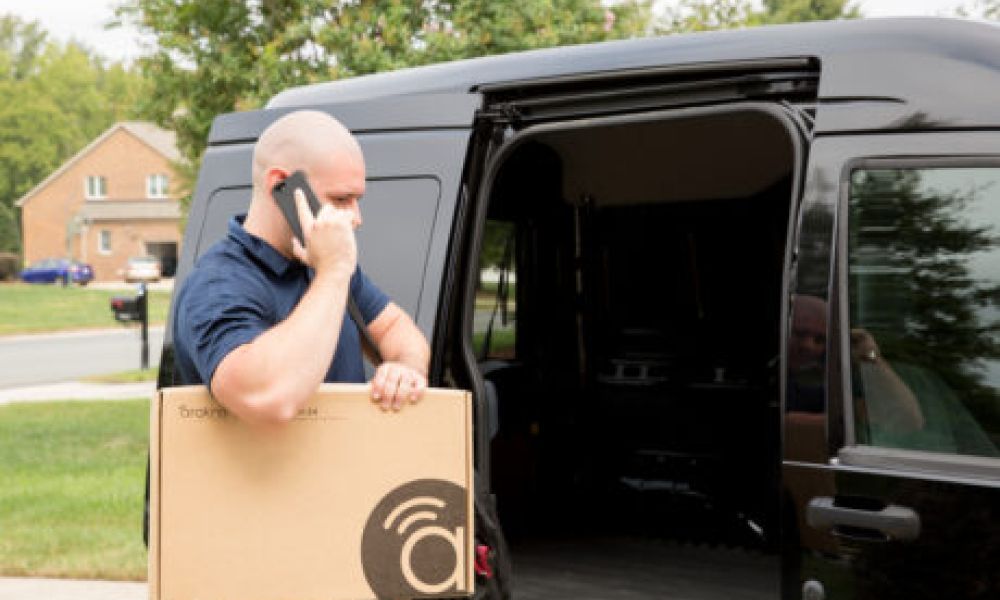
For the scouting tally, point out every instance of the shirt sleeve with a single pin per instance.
(222, 315)
(371, 301)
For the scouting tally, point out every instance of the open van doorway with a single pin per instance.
(626, 327)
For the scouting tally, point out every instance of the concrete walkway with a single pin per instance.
(13, 588)
(77, 390)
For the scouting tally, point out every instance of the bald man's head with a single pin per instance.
(306, 140)
(807, 344)
(317, 144)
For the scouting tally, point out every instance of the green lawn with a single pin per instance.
(37, 308)
(72, 479)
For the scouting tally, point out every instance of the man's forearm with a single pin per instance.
(269, 379)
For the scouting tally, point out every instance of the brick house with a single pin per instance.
(113, 200)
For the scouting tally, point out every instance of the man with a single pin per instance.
(262, 318)
(888, 400)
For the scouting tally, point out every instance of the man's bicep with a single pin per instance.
(385, 321)
(216, 321)
(371, 301)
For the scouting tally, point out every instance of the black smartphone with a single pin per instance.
(284, 194)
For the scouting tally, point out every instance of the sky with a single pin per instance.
(84, 20)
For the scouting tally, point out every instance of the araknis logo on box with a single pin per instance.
(414, 541)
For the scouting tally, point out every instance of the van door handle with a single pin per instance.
(893, 522)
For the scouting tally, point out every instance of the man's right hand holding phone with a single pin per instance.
(330, 246)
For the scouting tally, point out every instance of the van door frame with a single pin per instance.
(783, 113)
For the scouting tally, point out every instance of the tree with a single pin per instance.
(57, 98)
(706, 15)
(985, 9)
(216, 56)
(20, 45)
(797, 11)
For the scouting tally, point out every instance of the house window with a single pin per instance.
(96, 186)
(156, 186)
(104, 242)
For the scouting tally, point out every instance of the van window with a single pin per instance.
(493, 329)
(924, 304)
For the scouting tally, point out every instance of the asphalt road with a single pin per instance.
(49, 358)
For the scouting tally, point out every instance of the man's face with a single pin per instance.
(340, 181)
(808, 341)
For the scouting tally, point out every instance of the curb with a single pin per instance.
(16, 588)
(76, 390)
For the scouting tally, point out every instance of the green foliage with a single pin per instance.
(57, 98)
(985, 9)
(796, 11)
(707, 15)
(216, 56)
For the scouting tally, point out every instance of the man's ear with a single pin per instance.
(272, 176)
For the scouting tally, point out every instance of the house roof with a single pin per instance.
(130, 210)
(160, 140)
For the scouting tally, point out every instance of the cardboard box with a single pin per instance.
(344, 503)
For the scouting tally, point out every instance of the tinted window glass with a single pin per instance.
(924, 286)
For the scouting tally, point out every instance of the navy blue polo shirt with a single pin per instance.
(240, 288)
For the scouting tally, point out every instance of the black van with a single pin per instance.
(736, 332)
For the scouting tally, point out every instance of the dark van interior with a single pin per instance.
(630, 353)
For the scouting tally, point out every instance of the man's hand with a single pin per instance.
(863, 346)
(395, 384)
(330, 245)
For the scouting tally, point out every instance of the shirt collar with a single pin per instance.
(259, 249)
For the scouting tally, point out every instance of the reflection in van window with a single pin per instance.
(493, 330)
(924, 286)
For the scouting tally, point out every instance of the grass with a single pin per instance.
(133, 376)
(73, 478)
(501, 342)
(28, 308)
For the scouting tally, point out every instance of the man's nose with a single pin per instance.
(355, 214)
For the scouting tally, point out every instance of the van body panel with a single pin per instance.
(387, 241)
(869, 66)
(423, 111)
(948, 500)
(222, 168)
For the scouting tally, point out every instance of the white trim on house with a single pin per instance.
(157, 185)
(104, 241)
(95, 187)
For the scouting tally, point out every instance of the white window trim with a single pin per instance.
(100, 242)
(103, 192)
(151, 189)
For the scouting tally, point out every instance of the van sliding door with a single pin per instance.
(892, 416)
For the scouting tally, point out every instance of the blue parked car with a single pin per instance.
(51, 270)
